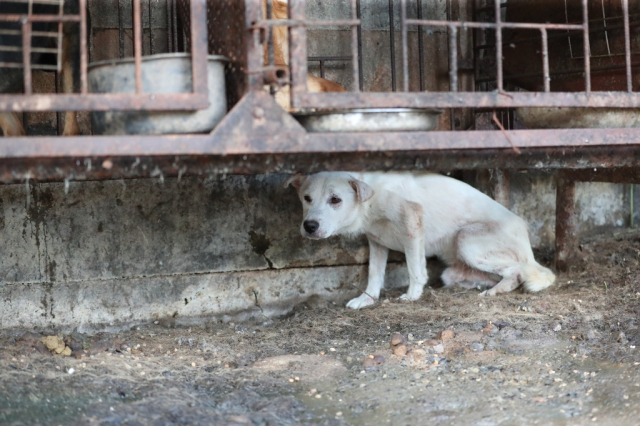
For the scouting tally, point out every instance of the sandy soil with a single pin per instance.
(567, 356)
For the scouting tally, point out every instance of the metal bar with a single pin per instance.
(392, 41)
(420, 47)
(50, 34)
(298, 53)
(405, 45)
(103, 102)
(26, 56)
(270, 46)
(174, 15)
(604, 23)
(499, 71)
(33, 66)
(60, 41)
(137, 43)
(84, 88)
(545, 61)
(329, 58)
(121, 28)
(566, 239)
(152, 37)
(355, 65)
(453, 58)
(489, 25)
(469, 100)
(423, 149)
(586, 46)
(33, 49)
(627, 45)
(169, 26)
(199, 46)
(557, 73)
(360, 69)
(39, 18)
(322, 69)
(304, 23)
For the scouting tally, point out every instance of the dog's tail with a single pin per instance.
(536, 277)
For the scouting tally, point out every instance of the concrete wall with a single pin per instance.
(116, 252)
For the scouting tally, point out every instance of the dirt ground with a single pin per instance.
(567, 356)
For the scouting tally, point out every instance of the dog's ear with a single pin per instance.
(363, 191)
(295, 180)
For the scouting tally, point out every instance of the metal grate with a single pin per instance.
(570, 46)
(84, 100)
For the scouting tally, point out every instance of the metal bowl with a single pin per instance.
(370, 120)
(167, 74)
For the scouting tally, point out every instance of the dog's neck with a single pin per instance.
(369, 213)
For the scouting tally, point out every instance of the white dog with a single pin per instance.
(422, 215)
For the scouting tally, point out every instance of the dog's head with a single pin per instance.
(331, 202)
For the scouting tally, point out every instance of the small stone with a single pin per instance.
(558, 327)
(477, 347)
(71, 371)
(410, 337)
(397, 339)
(445, 335)
(438, 348)
(488, 329)
(400, 350)
(418, 353)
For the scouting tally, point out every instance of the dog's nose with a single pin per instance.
(311, 226)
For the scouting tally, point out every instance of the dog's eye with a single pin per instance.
(335, 200)
(307, 198)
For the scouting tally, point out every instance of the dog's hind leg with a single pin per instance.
(377, 264)
(466, 277)
(487, 247)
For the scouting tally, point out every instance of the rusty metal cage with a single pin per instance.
(28, 101)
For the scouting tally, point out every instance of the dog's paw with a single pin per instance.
(360, 302)
(407, 297)
(490, 292)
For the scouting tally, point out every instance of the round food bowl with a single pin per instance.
(370, 120)
(161, 74)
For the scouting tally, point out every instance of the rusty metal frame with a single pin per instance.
(84, 100)
(302, 99)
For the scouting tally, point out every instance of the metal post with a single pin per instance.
(566, 239)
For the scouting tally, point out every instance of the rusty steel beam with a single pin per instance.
(606, 143)
(566, 219)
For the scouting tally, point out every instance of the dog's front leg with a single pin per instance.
(377, 264)
(414, 250)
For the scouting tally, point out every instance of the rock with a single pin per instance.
(54, 344)
(445, 335)
(66, 351)
(477, 347)
(418, 353)
(431, 342)
(489, 329)
(400, 350)
(438, 348)
(557, 327)
(397, 339)
(372, 361)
